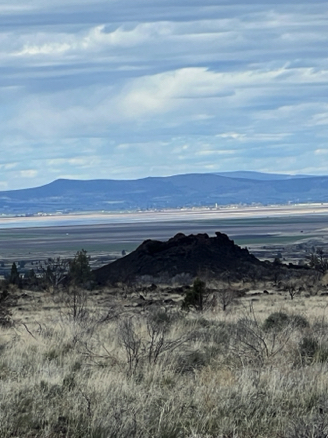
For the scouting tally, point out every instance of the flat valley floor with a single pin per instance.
(289, 231)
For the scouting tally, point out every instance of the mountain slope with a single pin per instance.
(163, 192)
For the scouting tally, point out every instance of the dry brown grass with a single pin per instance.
(66, 377)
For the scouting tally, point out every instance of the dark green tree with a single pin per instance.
(31, 274)
(30, 278)
(79, 270)
(194, 296)
(14, 277)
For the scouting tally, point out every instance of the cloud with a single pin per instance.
(232, 136)
(136, 88)
(181, 95)
(320, 118)
(94, 40)
(203, 39)
(8, 166)
(216, 152)
(29, 173)
(321, 151)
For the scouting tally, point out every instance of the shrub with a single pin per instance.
(252, 344)
(5, 315)
(299, 321)
(146, 348)
(194, 296)
(162, 317)
(311, 351)
(191, 361)
(211, 332)
(308, 346)
(276, 321)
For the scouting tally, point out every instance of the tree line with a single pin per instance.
(55, 273)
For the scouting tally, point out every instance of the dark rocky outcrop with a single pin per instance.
(189, 256)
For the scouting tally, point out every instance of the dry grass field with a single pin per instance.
(94, 364)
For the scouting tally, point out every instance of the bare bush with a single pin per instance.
(54, 271)
(292, 285)
(312, 283)
(222, 294)
(74, 302)
(141, 349)
(226, 297)
(131, 342)
(253, 344)
(158, 343)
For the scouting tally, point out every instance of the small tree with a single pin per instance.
(31, 275)
(226, 297)
(293, 288)
(76, 303)
(318, 261)
(14, 277)
(79, 269)
(54, 271)
(194, 297)
(31, 279)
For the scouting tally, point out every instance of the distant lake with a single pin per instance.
(220, 213)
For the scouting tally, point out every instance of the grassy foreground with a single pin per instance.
(101, 371)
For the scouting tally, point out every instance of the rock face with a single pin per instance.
(181, 256)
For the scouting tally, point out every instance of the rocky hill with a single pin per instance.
(182, 257)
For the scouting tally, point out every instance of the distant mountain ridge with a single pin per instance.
(188, 190)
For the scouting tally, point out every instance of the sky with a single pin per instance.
(125, 89)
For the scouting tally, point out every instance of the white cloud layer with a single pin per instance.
(127, 89)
